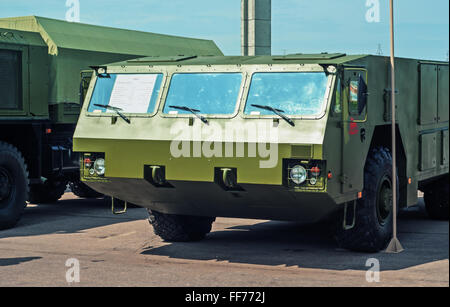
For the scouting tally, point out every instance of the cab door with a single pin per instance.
(354, 118)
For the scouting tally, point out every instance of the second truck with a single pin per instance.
(44, 71)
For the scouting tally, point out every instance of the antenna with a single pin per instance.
(379, 50)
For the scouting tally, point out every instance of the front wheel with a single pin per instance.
(180, 228)
(373, 220)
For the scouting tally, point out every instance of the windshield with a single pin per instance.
(295, 93)
(207, 93)
(131, 93)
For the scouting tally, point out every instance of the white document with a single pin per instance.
(132, 93)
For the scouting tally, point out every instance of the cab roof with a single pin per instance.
(72, 35)
(320, 58)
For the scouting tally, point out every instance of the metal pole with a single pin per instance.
(256, 36)
(394, 246)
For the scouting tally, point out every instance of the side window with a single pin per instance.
(338, 97)
(353, 97)
(10, 80)
(356, 93)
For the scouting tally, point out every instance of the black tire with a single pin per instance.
(373, 225)
(14, 184)
(48, 192)
(83, 191)
(436, 200)
(180, 228)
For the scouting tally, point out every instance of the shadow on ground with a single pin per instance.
(16, 261)
(312, 246)
(267, 243)
(69, 215)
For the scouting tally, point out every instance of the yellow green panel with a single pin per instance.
(129, 158)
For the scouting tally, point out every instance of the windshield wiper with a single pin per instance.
(115, 109)
(277, 112)
(193, 111)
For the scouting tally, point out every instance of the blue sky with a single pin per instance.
(422, 27)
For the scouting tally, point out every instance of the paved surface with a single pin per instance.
(123, 251)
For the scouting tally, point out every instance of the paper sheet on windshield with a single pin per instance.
(132, 93)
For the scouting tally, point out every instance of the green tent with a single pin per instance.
(73, 47)
(59, 34)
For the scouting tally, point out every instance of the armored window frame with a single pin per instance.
(210, 115)
(355, 73)
(119, 71)
(338, 95)
(300, 69)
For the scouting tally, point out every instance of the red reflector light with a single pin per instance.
(330, 175)
(48, 131)
(315, 170)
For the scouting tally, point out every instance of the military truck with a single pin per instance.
(42, 83)
(301, 137)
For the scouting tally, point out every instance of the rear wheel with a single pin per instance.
(13, 185)
(436, 200)
(48, 192)
(180, 228)
(373, 224)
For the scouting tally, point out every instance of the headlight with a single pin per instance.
(298, 174)
(99, 167)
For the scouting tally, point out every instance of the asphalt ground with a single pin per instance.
(123, 251)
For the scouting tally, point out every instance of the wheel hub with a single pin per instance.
(384, 201)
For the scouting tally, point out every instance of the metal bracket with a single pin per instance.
(124, 210)
(344, 223)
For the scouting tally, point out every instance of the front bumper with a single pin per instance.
(257, 201)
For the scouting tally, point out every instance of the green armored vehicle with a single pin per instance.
(301, 137)
(41, 86)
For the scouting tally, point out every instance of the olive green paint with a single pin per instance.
(146, 141)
